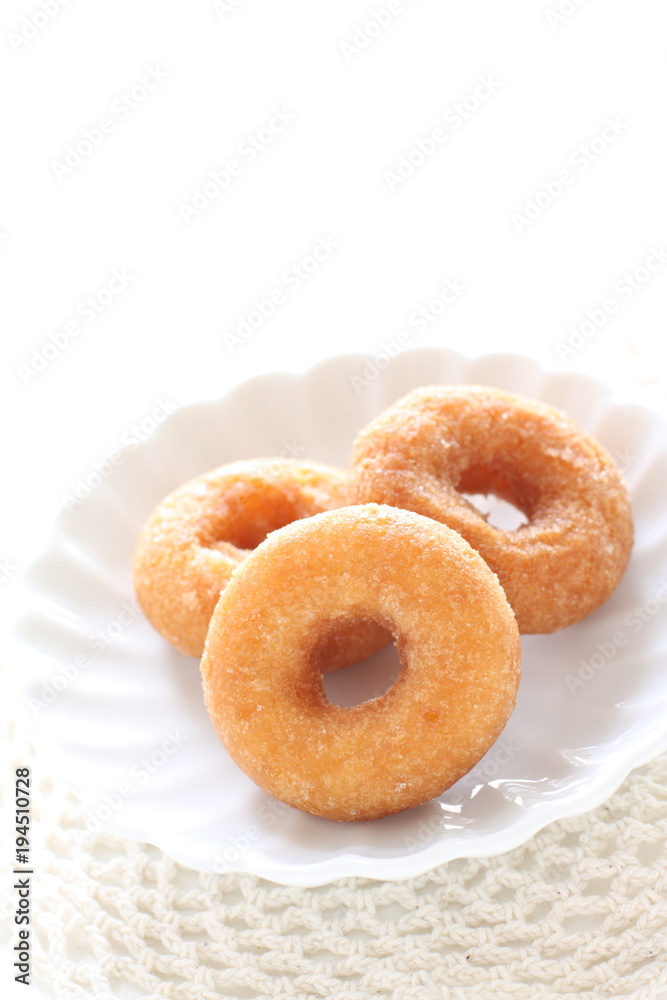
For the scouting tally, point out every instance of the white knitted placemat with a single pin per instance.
(578, 911)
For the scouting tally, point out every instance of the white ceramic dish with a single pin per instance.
(122, 712)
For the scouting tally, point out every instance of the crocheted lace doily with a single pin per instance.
(580, 911)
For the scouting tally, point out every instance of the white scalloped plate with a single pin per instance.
(125, 724)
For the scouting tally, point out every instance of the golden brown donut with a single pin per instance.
(197, 536)
(441, 441)
(457, 639)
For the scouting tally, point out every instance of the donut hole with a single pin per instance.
(247, 514)
(503, 504)
(367, 679)
(496, 511)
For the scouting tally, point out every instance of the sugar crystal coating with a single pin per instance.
(197, 537)
(439, 442)
(456, 635)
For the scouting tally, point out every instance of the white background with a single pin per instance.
(358, 104)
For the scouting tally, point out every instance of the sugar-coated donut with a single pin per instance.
(441, 441)
(198, 535)
(457, 639)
